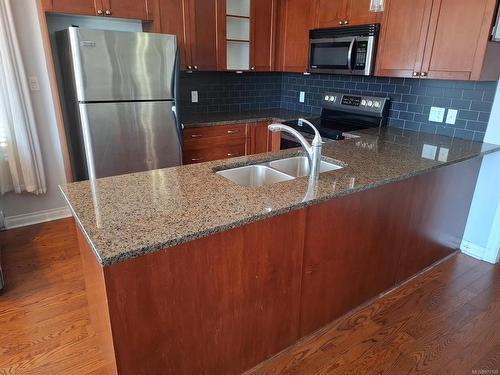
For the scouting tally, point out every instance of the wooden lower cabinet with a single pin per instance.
(224, 303)
(261, 140)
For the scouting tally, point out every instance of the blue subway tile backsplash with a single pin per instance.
(411, 99)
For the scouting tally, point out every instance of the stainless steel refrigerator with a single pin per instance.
(120, 101)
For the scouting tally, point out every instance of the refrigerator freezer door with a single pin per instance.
(117, 65)
(122, 138)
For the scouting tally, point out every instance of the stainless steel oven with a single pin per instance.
(344, 50)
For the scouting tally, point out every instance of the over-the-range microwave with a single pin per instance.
(344, 50)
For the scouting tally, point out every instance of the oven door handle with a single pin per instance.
(349, 54)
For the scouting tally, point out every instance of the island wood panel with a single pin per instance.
(98, 303)
(440, 202)
(217, 305)
(361, 245)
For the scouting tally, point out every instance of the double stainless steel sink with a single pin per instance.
(274, 171)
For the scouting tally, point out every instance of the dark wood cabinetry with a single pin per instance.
(263, 22)
(173, 21)
(296, 19)
(83, 7)
(434, 38)
(202, 28)
(344, 13)
(134, 9)
(260, 139)
(214, 142)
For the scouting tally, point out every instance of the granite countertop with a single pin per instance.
(195, 120)
(131, 215)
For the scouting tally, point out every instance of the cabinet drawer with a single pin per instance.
(213, 153)
(236, 131)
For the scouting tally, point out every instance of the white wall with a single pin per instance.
(30, 40)
(482, 234)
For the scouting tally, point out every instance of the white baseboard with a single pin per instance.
(479, 252)
(36, 217)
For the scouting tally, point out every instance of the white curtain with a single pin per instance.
(21, 166)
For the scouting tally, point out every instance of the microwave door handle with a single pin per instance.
(349, 54)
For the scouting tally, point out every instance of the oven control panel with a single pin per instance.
(356, 103)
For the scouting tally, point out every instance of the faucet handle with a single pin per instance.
(317, 141)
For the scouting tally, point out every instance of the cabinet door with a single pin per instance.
(297, 18)
(358, 13)
(83, 7)
(330, 13)
(403, 37)
(263, 28)
(458, 34)
(135, 9)
(173, 18)
(202, 31)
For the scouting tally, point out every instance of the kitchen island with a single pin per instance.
(189, 273)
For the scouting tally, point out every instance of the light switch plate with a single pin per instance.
(436, 114)
(429, 152)
(194, 96)
(33, 82)
(451, 117)
(302, 97)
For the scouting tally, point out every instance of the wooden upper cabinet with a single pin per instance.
(296, 19)
(444, 39)
(134, 9)
(358, 13)
(263, 21)
(330, 13)
(344, 13)
(172, 18)
(201, 27)
(83, 7)
(458, 35)
(402, 40)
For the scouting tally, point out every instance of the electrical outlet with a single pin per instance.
(451, 117)
(33, 82)
(194, 96)
(436, 114)
(302, 97)
(429, 152)
(443, 154)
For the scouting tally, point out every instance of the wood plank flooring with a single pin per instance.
(44, 319)
(446, 321)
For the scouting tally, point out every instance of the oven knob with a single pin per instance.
(332, 98)
(370, 103)
(327, 98)
(376, 104)
(363, 102)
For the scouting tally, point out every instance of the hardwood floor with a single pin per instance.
(446, 321)
(44, 320)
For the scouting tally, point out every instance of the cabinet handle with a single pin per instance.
(341, 22)
(232, 131)
(415, 74)
(196, 135)
(108, 12)
(252, 68)
(99, 12)
(235, 154)
(196, 159)
(346, 22)
(423, 74)
(195, 67)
